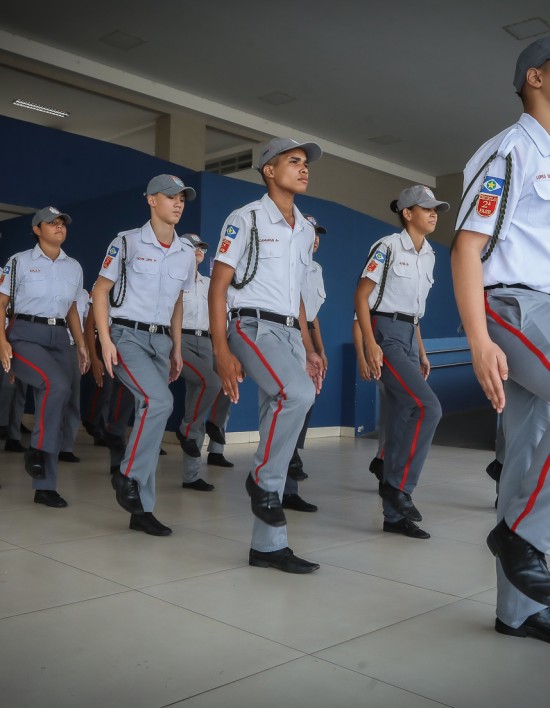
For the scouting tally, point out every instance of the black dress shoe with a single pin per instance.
(14, 446)
(34, 463)
(494, 470)
(147, 523)
(296, 467)
(114, 468)
(215, 433)
(49, 498)
(265, 505)
(284, 560)
(99, 441)
(199, 485)
(377, 468)
(216, 458)
(293, 501)
(127, 493)
(523, 565)
(405, 527)
(24, 430)
(91, 429)
(65, 456)
(400, 501)
(187, 445)
(536, 626)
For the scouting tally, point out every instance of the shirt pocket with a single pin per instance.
(33, 284)
(539, 207)
(270, 249)
(400, 280)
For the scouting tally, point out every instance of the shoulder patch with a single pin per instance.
(379, 256)
(225, 245)
(113, 251)
(492, 185)
(231, 231)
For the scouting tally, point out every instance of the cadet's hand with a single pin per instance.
(491, 369)
(110, 357)
(424, 366)
(325, 364)
(314, 367)
(176, 365)
(5, 356)
(98, 371)
(375, 359)
(364, 371)
(83, 359)
(231, 375)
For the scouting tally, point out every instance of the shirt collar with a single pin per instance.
(276, 216)
(148, 236)
(408, 245)
(37, 252)
(536, 132)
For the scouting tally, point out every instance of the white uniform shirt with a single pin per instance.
(43, 288)
(155, 275)
(284, 255)
(82, 305)
(313, 291)
(410, 274)
(195, 304)
(522, 254)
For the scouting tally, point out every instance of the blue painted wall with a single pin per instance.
(84, 177)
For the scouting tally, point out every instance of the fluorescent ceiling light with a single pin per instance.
(42, 109)
(528, 28)
(277, 98)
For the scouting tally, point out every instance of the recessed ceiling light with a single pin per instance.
(42, 109)
(528, 28)
(277, 98)
(121, 40)
(385, 140)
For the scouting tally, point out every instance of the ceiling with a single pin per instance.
(418, 85)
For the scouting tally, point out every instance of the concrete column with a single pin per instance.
(181, 139)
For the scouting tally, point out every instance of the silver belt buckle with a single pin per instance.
(198, 332)
(415, 320)
(290, 321)
(153, 329)
(52, 320)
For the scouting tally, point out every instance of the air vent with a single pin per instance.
(228, 165)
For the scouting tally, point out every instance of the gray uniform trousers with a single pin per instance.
(413, 410)
(42, 359)
(71, 419)
(12, 405)
(121, 407)
(274, 357)
(519, 322)
(144, 368)
(202, 386)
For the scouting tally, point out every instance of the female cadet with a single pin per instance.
(41, 286)
(390, 300)
(203, 389)
(151, 267)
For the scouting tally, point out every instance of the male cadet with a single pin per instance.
(151, 267)
(264, 251)
(503, 248)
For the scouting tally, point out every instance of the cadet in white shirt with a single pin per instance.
(390, 301)
(151, 267)
(503, 248)
(203, 391)
(264, 251)
(42, 285)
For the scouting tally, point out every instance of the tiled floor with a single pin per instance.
(95, 615)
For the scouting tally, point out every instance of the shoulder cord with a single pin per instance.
(119, 299)
(253, 244)
(383, 279)
(503, 204)
(10, 310)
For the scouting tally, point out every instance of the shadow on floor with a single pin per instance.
(475, 429)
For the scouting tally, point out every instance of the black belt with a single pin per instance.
(287, 320)
(197, 332)
(411, 319)
(143, 326)
(43, 320)
(521, 286)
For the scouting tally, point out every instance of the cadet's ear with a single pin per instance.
(151, 200)
(534, 77)
(36, 230)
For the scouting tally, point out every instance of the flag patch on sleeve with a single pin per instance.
(231, 231)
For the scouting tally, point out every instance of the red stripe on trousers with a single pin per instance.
(542, 358)
(47, 382)
(136, 442)
(279, 406)
(418, 425)
(199, 399)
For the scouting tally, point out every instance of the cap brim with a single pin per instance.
(320, 230)
(312, 150)
(434, 204)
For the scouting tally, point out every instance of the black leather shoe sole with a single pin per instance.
(218, 460)
(148, 524)
(49, 498)
(401, 502)
(405, 527)
(127, 493)
(265, 505)
(284, 560)
(214, 433)
(34, 463)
